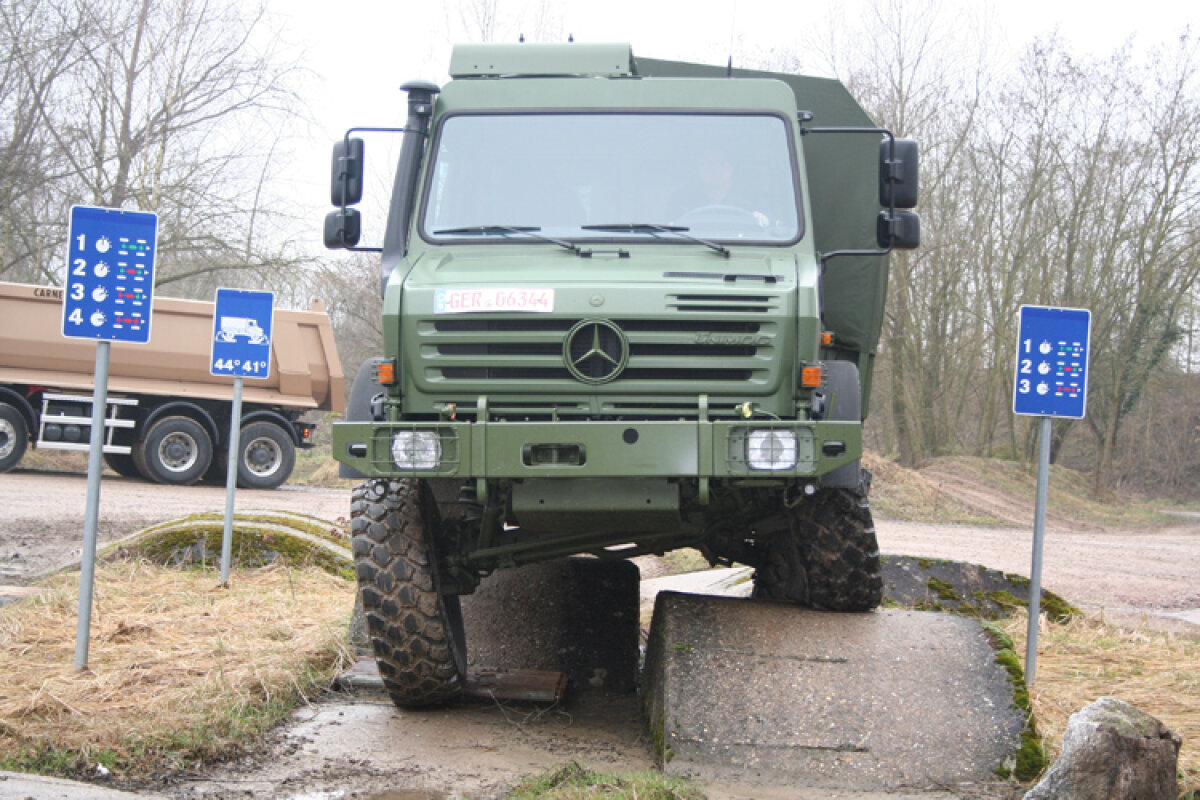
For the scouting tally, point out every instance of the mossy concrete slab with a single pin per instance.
(934, 584)
(258, 539)
(772, 694)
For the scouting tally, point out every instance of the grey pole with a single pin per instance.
(235, 436)
(1039, 536)
(87, 565)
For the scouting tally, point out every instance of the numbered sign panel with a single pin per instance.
(241, 343)
(110, 275)
(1053, 346)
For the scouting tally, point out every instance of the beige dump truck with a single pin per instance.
(167, 417)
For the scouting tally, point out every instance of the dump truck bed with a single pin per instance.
(306, 372)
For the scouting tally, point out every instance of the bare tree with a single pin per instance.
(168, 105)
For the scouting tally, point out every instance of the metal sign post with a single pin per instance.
(1053, 345)
(108, 297)
(241, 347)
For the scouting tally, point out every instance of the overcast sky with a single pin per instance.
(360, 51)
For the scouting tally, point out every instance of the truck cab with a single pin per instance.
(629, 306)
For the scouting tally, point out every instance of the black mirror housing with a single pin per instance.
(899, 168)
(898, 230)
(343, 227)
(346, 177)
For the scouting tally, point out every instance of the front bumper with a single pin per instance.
(597, 449)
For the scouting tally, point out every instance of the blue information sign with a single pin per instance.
(241, 343)
(1053, 346)
(110, 275)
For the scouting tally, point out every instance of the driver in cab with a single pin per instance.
(719, 192)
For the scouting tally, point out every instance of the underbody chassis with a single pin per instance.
(421, 543)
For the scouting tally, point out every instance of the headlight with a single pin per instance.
(417, 449)
(771, 449)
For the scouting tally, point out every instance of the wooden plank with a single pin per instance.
(518, 685)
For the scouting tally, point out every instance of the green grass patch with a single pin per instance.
(575, 782)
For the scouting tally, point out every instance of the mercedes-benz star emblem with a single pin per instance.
(596, 351)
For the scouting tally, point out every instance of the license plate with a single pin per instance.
(469, 301)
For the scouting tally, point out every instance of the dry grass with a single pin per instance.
(180, 670)
(317, 468)
(904, 494)
(1071, 493)
(1087, 658)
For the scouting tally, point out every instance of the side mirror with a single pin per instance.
(898, 173)
(898, 230)
(343, 226)
(346, 178)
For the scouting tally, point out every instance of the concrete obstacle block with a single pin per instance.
(573, 615)
(736, 690)
(1113, 751)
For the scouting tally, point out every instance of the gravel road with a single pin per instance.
(1150, 570)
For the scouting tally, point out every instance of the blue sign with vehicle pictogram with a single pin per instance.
(1053, 345)
(109, 289)
(241, 343)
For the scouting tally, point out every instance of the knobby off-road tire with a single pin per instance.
(415, 630)
(830, 558)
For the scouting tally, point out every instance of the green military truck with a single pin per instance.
(629, 306)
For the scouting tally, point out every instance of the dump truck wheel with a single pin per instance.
(416, 631)
(218, 469)
(268, 455)
(122, 464)
(14, 437)
(176, 450)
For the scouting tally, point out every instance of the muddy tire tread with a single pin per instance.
(840, 552)
(406, 618)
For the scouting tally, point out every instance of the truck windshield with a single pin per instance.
(724, 177)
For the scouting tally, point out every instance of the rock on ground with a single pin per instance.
(1113, 751)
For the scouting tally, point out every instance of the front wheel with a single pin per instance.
(828, 558)
(416, 631)
(14, 437)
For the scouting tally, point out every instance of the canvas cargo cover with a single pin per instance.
(843, 180)
(306, 372)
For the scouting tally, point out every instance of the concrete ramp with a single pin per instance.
(772, 694)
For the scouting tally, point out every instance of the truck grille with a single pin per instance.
(620, 366)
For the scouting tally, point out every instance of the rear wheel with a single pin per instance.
(415, 630)
(176, 450)
(14, 437)
(828, 558)
(267, 456)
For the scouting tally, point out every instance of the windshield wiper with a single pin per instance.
(508, 230)
(652, 228)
